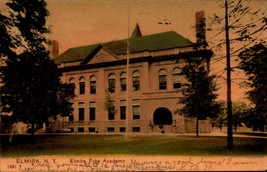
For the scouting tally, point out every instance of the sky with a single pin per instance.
(76, 23)
(82, 22)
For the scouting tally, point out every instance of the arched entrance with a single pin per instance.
(162, 116)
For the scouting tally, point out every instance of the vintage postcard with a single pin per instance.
(150, 86)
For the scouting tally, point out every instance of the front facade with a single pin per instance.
(130, 85)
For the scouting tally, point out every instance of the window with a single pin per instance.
(136, 109)
(72, 82)
(91, 129)
(110, 129)
(122, 112)
(92, 85)
(162, 79)
(80, 129)
(111, 83)
(82, 85)
(123, 81)
(111, 113)
(136, 129)
(176, 78)
(71, 129)
(122, 109)
(92, 111)
(122, 129)
(71, 117)
(81, 111)
(136, 81)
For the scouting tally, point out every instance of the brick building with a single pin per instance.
(112, 96)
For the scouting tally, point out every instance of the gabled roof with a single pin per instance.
(97, 50)
(155, 42)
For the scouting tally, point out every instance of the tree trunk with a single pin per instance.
(32, 131)
(197, 127)
(11, 135)
(220, 125)
(228, 67)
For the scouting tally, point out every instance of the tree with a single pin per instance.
(29, 17)
(221, 118)
(6, 41)
(240, 110)
(254, 64)
(243, 27)
(109, 106)
(198, 95)
(32, 90)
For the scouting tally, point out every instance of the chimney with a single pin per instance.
(53, 49)
(201, 29)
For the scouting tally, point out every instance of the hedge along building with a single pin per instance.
(114, 94)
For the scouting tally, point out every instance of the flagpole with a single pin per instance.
(128, 76)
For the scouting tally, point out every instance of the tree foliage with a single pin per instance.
(109, 106)
(199, 99)
(254, 64)
(32, 90)
(31, 80)
(221, 119)
(247, 25)
(240, 111)
(29, 18)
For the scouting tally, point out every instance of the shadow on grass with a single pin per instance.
(261, 134)
(138, 145)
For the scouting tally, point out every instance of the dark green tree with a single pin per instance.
(221, 119)
(29, 17)
(109, 106)
(199, 99)
(6, 41)
(240, 110)
(31, 80)
(254, 64)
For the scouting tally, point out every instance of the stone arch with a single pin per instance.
(163, 116)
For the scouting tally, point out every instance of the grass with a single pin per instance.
(261, 134)
(138, 145)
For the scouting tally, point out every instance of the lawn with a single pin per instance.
(134, 144)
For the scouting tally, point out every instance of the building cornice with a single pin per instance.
(191, 54)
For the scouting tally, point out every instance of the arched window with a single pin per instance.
(176, 78)
(136, 81)
(111, 83)
(162, 79)
(93, 85)
(82, 85)
(72, 82)
(123, 81)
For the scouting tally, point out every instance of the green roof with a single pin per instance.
(155, 42)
